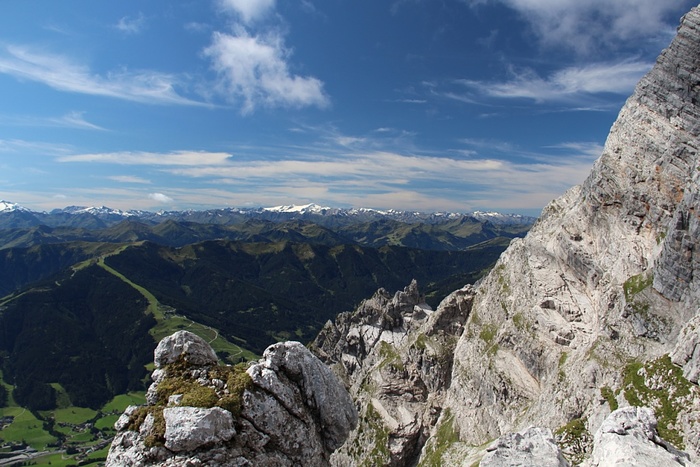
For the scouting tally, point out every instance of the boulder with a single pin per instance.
(628, 437)
(186, 345)
(533, 446)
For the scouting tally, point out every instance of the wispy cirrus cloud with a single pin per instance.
(586, 26)
(342, 170)
(574, 85)
(129, 179)
(75, 120)
(176, 158)
(63, 74)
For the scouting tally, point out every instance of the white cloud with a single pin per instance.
(63, 74)
(573, 84)
(129, 25)
(586, 26)
(249, 10)
(176, 158)
(129, 179)
(481, 172)
(75, 120)
(254, 69)
(31, 148)
(161, 198)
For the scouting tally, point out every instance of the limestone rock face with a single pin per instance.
(287, 409)
(629, 437)
(188, 428)
(534, 446)
(607, 276)
(395, 353)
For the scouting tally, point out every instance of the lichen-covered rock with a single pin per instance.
(533, 446)
(628, 437)
(288, 409)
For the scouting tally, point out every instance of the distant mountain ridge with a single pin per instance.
(13, 215)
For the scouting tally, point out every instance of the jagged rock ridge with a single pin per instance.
(287, 409)
(595, 309)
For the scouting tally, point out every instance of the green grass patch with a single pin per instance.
(179, 380)
(609, 396)
(379, 455)
(390, 357)
(670, 394)
(62, 397)
(54, 460)
(488, 333)
(519, 321)
(25, 428)
(74, 415)
(636, 284)
(574, 439)
(122, 401)
(168, 324)
(10, 401)
(107, 422)
(152, 301)
(446, 435)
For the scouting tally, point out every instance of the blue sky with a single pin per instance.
(430, 105)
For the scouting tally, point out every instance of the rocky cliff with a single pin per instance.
(287, 409)
(595, 310)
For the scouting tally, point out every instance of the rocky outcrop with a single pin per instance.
(533, 446)
(287, 409)
(629, 437)
(395, 354)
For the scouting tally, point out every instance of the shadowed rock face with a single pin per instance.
(286, 409)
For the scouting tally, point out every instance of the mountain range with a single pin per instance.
(250, 277)
(13, 215)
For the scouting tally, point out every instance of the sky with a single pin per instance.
(425, 105)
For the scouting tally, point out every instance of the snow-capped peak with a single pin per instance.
(6, 206)
(97, 211)
(305, 208)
